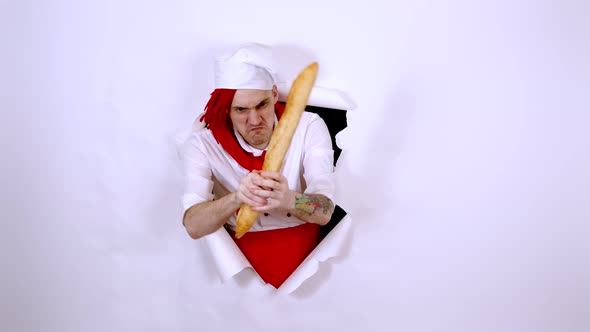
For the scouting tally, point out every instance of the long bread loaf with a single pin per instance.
(281, 137)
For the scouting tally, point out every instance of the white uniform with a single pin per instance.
(210, 172)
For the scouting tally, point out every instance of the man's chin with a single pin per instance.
(257, 142)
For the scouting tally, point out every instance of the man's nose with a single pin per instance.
(253, 117)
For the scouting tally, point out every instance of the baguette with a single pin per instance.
(281, 137)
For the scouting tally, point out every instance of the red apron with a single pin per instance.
(276, 253)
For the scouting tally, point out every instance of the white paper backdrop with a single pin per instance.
(465, 166)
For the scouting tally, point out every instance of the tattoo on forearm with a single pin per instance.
(312, 203)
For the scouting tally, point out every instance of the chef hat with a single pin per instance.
(250, 67)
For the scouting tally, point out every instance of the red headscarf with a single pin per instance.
(217, 120)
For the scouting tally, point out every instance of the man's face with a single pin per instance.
(252, 115)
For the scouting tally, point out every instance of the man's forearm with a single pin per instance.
(313, 208)
(205, 218)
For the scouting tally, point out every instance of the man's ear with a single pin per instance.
(275, 94)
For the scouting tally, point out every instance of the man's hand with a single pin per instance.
(246, 192)
(273, 188)
(270, 191)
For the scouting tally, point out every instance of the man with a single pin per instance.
(222, 167)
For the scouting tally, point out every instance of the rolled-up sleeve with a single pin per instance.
(318, 159)
(198, 183)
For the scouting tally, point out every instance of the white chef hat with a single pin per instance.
(250, 67)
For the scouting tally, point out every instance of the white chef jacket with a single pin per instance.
(210, 172)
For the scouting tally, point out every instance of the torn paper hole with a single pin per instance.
(331, 105)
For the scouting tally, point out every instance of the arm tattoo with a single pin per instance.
(312, 203)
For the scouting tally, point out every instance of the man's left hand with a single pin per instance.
(275, 189)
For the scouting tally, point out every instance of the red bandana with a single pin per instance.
(218, 121)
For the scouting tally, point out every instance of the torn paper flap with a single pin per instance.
(332, 245)
(321, 97)
(230, 260)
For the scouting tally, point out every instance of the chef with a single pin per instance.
(223, 162)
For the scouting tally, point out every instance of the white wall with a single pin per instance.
(465, 170)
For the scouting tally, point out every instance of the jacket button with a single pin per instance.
(288, 215)
(265, 214)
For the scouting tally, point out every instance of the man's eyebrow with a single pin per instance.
(265, 100)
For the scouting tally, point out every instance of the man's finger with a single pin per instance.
(272, 175)
(245, 199)
(267, 207)
(256, 176)
(267, 184)
(252, 196)
(253, 203)
(266, 193)
(261, 208)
